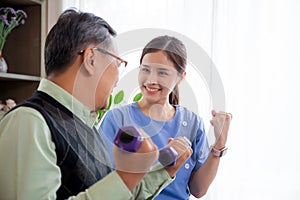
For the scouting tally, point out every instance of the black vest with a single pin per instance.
(81, 153)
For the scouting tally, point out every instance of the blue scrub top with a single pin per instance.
(184, 123)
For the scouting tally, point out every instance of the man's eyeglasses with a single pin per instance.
(121, 62)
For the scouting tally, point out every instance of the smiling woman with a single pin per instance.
(163, 64)
(157, 78)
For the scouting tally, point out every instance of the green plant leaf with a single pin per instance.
(119, 97)
(137, 97)
(101, 114)
(109, 102)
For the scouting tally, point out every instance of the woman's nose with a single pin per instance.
(152, 78)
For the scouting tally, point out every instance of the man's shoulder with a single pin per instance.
(22, 120)
(23, 112)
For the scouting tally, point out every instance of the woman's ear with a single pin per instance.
(182, 76)
(89, 57)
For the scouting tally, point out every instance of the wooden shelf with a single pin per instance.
(12, 76)
(23, 51)
(20, 2)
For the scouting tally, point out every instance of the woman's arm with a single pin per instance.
(203, 177)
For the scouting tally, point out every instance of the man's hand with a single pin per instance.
(132, 166)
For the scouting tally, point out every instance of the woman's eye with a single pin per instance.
(162, 73)
(145, 70)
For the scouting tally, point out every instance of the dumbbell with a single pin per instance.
(168, 155)
(128, 138)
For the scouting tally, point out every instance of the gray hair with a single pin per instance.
(73, 32)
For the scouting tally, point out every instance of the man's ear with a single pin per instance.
(89, 57)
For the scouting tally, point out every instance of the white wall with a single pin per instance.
(54, 9)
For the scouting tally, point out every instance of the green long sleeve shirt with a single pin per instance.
(28, 167)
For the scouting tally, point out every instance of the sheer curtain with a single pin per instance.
(255, 45)
(256, 48)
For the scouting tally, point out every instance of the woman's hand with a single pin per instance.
(182, 147)
(221, 122)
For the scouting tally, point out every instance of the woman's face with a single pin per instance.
(157, 77)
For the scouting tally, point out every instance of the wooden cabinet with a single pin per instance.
(23, 51)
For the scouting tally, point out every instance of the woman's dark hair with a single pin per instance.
(73, 32)
(175, 52)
